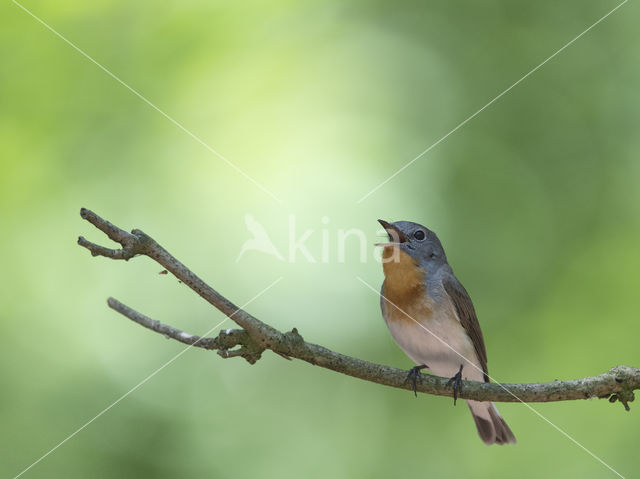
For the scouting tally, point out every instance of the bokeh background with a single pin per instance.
(536, 201)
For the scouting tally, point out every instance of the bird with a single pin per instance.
(432, 319)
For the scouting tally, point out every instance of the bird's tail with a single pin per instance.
(491, 427)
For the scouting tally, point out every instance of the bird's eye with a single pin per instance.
(419, 235)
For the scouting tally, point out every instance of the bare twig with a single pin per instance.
(138, 243)
(255, 337)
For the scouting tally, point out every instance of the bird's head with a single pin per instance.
(412, 239)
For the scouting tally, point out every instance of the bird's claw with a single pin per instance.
(457, 384)
(414, 375)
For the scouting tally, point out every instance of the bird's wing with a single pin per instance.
(468, 319)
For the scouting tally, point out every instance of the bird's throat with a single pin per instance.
(404, 277)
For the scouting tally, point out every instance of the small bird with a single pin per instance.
(431, 317)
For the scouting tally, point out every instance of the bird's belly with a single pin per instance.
(439, 341)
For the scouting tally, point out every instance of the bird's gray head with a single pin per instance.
(417, 241)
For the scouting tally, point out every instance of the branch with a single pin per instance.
(255, 337)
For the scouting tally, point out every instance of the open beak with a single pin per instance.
(395, 235)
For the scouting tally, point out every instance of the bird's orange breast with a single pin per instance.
(405, 289)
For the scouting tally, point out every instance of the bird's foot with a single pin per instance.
(414, 375)
(457, 384)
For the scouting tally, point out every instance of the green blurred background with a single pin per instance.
(536, 201)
